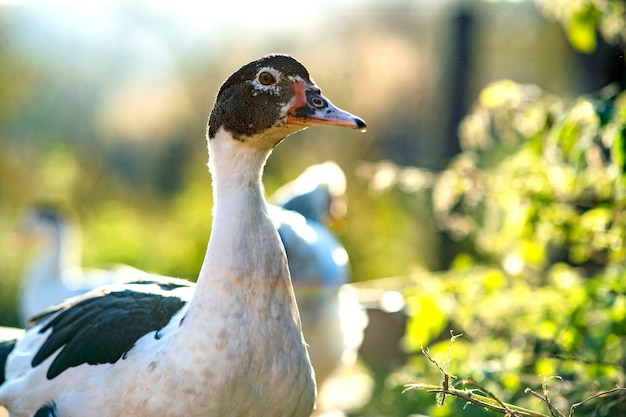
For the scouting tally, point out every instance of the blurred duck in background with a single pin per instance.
(55, 272)
(333, 321)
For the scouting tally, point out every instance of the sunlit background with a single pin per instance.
(103, 108)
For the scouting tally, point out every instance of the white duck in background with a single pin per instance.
(230, 345)
(55, 273)
(333, 321)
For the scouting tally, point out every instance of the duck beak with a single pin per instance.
(311, 108)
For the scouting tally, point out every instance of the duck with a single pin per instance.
(55, 273)
(318, 193)
(333, 320)
(229, 345)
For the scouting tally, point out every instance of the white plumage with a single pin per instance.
(333, 321)
(229, 346)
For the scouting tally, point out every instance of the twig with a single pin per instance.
(478, 400)
(554, 412)
(490, 401)
(593, 397)
(544, 386)
(506, 407)
(441, 396)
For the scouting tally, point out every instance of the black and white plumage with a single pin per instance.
(47, 410)
(232, 344)
(55, 273)
(8, 338)
(333, 321)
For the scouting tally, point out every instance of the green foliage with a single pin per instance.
(515, 334)
(538, 197)
(540, 180)
(581, 20)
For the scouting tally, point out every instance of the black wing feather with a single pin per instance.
(47, 410)
(103, 326)
(164, 285)
(6, 347)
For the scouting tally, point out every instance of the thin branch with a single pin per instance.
(508, 410)
(593, 397)
(544, 387)
(554, 412)
(488, 401)
(440, 398)
(478, 400)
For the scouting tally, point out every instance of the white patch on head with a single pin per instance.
(273, 88)
(284, 110)
(284, 107)
(311, 83)
(298, 78)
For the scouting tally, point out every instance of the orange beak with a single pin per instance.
(310, 108)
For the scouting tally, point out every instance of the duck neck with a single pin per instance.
(59, 252)
(245, 262)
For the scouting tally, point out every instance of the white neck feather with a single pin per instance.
(242, 325)
(245, 256)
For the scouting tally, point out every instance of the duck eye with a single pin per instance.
(266, 78)
(318, 102)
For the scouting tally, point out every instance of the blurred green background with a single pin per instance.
(515, 189)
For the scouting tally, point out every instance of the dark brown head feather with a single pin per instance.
(244, 111)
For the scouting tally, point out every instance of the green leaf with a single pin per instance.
(618, 150)
(581, 31)
(427, 321)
